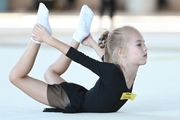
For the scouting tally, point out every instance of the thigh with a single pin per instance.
(57, 97)
(52, 77)
(34, 88)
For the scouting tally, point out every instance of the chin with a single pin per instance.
(143, 63)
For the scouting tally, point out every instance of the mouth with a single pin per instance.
(145, 55)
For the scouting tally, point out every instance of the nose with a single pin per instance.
(145, 48)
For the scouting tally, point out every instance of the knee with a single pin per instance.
(13, 77)
(51, 77)
(48, 74)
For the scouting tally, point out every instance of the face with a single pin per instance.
(136, 51)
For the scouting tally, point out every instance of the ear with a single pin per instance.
(121, 53)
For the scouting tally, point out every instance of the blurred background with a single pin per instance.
(109, 14)
(17, 17)
(137, 6)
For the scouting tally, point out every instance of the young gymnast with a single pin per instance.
(122, 52)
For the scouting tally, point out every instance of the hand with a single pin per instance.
(87, 41)
(41, 34)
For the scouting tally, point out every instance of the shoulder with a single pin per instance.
(111, 69)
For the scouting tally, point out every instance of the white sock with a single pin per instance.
(43, 19)
(84, 25)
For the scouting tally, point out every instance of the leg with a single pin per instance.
(19, 75)
(102, 9)
(52, 75)
(112, 8)
(43, 19)
(111, 13)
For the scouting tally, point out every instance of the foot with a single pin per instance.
(85, 20)
(42, 18)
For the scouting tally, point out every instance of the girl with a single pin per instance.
(122, 51)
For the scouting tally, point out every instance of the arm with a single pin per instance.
(58, 45)
(42, 35)
(89, 41)
(100, 68)
(103, 69)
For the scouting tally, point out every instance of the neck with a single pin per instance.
(130, 72)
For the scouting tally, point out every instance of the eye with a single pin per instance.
(139, 44)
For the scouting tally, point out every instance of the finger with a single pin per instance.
(39, 25)
(35, 30)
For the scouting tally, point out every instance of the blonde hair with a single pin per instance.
(118, 38)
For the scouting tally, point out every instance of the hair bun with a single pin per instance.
(103, 39)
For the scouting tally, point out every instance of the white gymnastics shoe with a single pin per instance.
(84, 25)
(43, 19)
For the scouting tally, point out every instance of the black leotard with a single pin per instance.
(105, 95)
